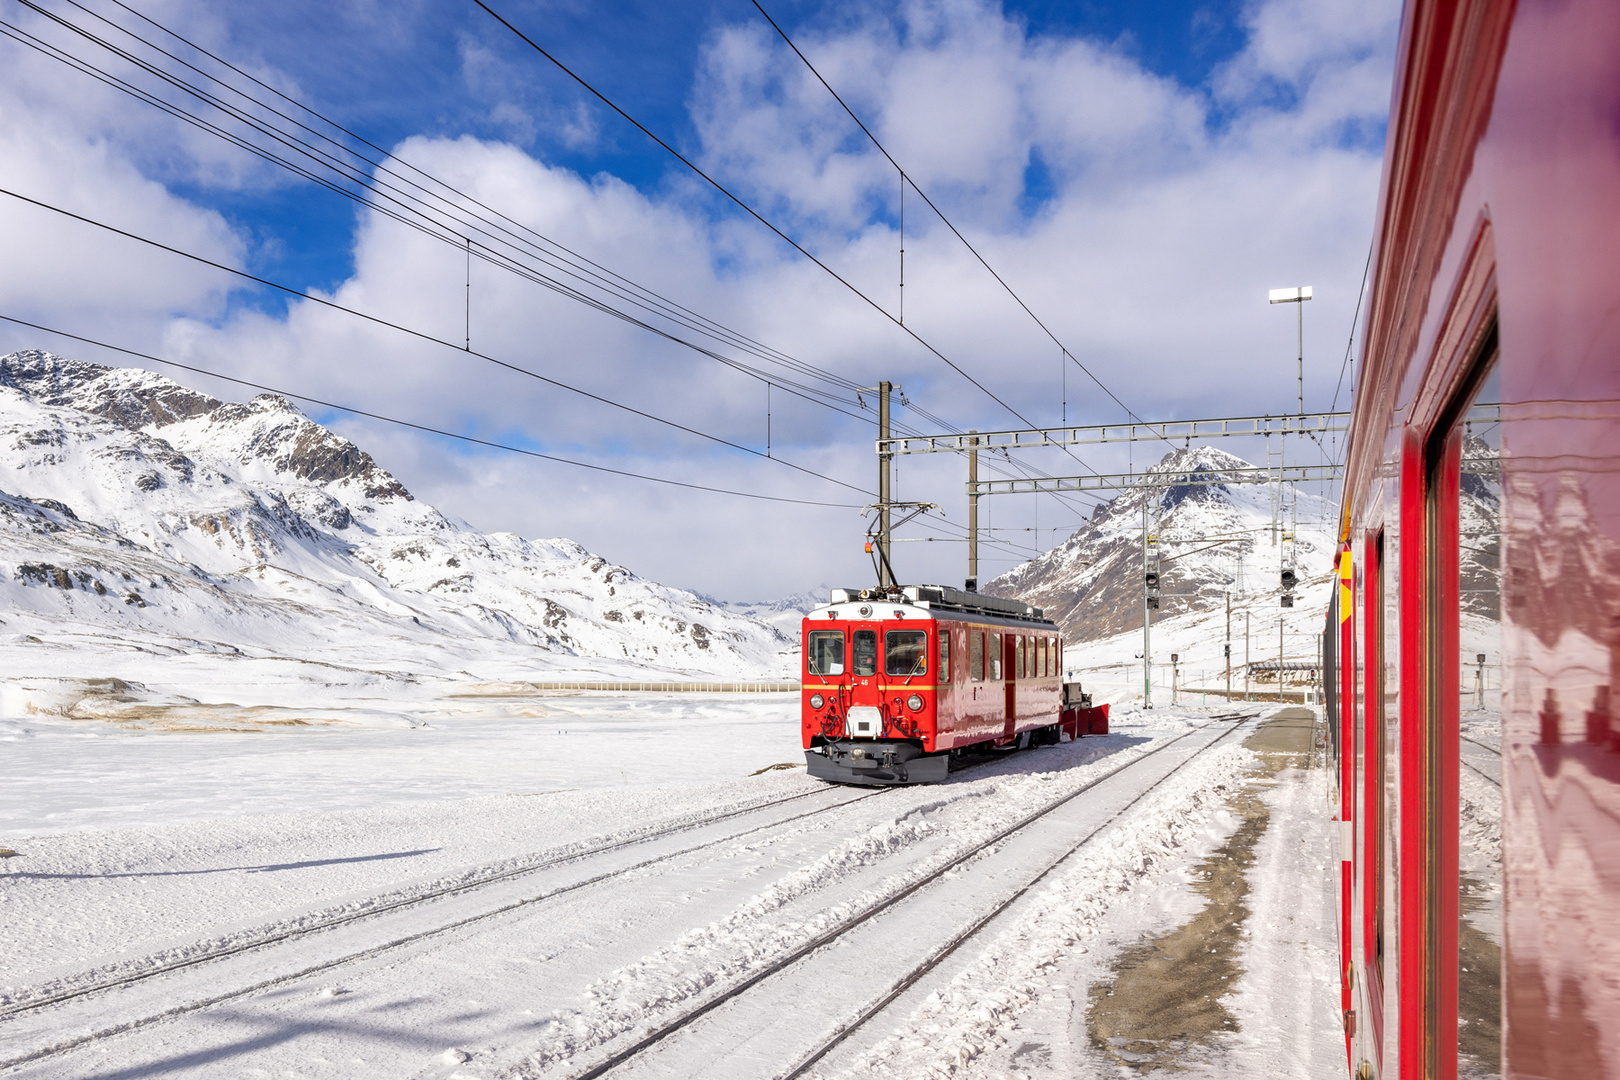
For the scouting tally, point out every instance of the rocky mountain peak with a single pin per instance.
(269, 429)
(1214, 535)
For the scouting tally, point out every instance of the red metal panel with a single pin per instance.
(1412, 829)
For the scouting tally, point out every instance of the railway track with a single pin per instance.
(653, 1038)
(321, 922)
(918, 972)
(1489, 749)
(95, 998)
(109, 985)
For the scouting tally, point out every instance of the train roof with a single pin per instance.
(942, 598)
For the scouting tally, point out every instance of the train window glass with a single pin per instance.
(944, 656)
(905, 652)
(1045, 666)
(826, 652)
(1373, 829)
(995, 657)
(976, 656)
(865, 652)
(1479, 775)
(1022, 650)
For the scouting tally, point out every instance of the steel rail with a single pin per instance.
(425, 897)
(1483, 775)
(933, 960)
(825, 938)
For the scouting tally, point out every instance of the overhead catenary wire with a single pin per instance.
(424, 336)
(906, 180)
(425, 428)
(456, 236)
(749, 210)
(407, 213)
(455, 232)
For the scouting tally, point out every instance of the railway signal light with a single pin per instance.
(1153, 603)
(1151, 578)
(1288, 580)
(1287, 600)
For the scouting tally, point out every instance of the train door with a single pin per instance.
(865, 717)
(1009, 658)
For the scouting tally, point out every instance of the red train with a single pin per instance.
(1477, 626)
(897, 681)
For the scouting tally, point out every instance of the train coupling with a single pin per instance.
(875, 763)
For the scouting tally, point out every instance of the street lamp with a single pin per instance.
(1297, 295)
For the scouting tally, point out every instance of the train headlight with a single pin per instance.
(817, 701)
(914, 702)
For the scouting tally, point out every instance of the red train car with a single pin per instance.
(897, 681)
(1477, 626)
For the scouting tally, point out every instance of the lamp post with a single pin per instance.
(1297, 295)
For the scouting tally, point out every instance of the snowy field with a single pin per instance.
(65, 775)
(526, 893)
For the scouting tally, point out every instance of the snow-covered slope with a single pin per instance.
(1213, 538)
(784, 615)
(135, 509)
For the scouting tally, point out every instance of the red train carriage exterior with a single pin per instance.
(897, 681)
(1477, 626)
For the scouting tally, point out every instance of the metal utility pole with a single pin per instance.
(885, 578)
(1279, 656)
(1147, 618)
(1296, 296)
(1245, 656)
(973, 513)
(1229, 645)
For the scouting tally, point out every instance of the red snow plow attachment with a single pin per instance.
(1078, 716)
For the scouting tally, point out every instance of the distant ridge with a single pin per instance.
(132, 506)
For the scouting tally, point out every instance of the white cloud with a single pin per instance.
(1150, 260)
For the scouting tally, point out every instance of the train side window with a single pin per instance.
(1373, 798)
(826, 652)
(944, 655)
(976, 655)
(865, 652)
(995, 657)
(1475, 452)
(1021, 650)
(905, 652)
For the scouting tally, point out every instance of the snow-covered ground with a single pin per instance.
(485, 950)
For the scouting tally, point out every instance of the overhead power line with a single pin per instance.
(427, 429)
(749, 210)
(447, 219)
(909, 182)
(424, 336)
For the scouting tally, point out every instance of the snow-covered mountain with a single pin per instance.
(135, 509)
(1212, 538)
(784, 615)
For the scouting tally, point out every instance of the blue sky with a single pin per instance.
(414, 79)
(1141, 172)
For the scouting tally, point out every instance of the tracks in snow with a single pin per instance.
(628, 1057)
(933, 834)
(95, 984)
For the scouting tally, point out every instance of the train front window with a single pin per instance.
(1479, 699)
(826, 650)
(905, 652)
(865, 652)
